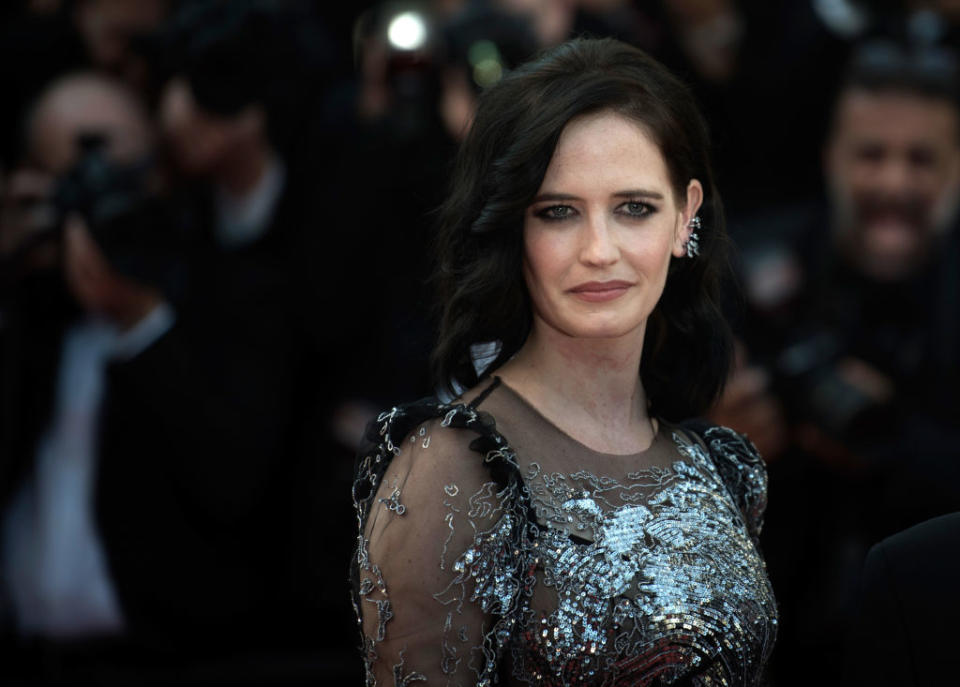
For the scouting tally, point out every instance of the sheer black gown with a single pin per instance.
(504, 551)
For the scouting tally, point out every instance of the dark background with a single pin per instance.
(220, 482)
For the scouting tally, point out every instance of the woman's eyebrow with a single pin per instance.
(639, 193)
(629, 193)
(555, 196)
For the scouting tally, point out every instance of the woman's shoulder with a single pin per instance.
(430, 434)
(739, 465)
(391, 429)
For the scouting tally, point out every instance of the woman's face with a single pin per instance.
(599, 234)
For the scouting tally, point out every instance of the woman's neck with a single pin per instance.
(590, 388)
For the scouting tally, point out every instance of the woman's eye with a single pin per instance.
(555, 212)
(636, 208)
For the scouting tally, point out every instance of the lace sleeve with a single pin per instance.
(436, 581)
(744, 472)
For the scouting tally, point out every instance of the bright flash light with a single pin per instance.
(407, 31)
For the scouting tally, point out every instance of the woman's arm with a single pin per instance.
(431, 563)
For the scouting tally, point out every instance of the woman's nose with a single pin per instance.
(599, 245)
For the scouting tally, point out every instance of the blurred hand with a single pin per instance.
(97, 287)
(24, 212)
(748, 406)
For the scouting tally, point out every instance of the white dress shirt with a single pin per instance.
(54, 563)
(241, 220)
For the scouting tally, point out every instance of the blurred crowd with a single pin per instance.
(214, 267)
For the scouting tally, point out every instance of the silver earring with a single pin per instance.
(693, 241)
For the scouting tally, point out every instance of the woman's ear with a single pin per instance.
(693, 202)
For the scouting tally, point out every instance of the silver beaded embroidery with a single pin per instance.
(667, 577)
(654, 577)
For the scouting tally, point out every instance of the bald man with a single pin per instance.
(83, 103)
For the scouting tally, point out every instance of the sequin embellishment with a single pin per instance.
(590, 580)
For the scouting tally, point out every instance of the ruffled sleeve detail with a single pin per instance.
(743, 471)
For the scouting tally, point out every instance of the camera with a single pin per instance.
(131, 223)
(104, 193)
(823, 384)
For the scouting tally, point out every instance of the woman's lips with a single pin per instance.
(597, 291)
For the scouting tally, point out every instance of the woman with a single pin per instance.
(552, 525)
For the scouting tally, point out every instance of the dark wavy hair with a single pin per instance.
(687, 349)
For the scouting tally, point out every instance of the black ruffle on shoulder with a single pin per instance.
(740, 466)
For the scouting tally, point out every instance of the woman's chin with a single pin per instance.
(603, 330)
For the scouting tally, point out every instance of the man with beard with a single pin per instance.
(849, 371)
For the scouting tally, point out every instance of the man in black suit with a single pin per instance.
(241, 505)
(906, 631)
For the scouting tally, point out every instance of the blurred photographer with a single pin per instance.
(481, 45)
(246, 380)
(68, 312)
(218, 497)
(420, 75)
(851, 356)
(852, 308)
